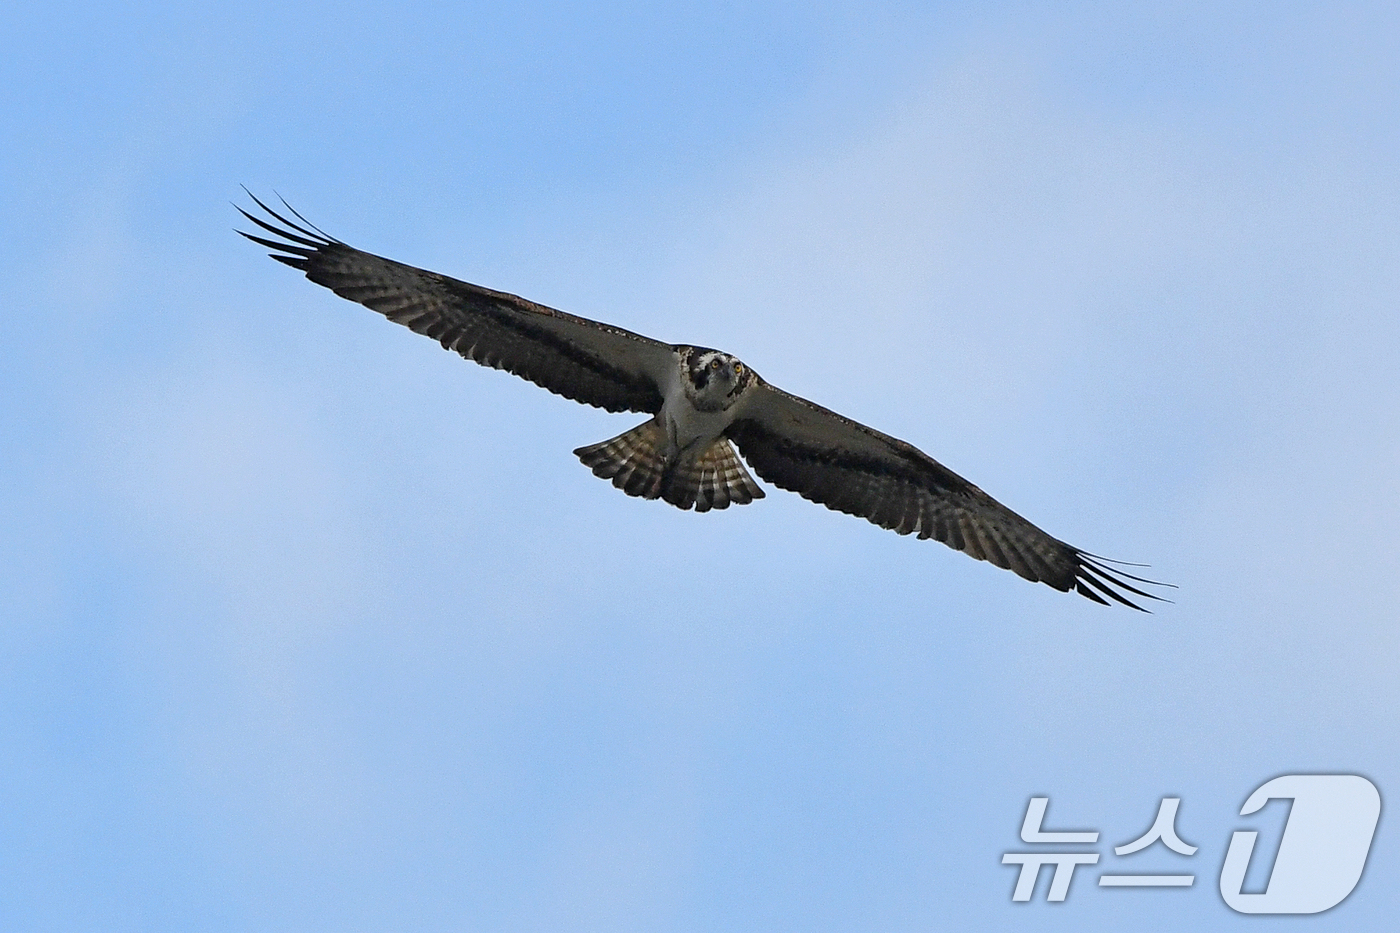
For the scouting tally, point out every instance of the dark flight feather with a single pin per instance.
(828, 458)
(584, 360)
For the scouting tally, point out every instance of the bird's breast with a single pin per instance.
(687, 427)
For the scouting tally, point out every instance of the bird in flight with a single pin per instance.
(702, 404)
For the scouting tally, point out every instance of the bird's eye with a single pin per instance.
(714, 364)
(738, 368)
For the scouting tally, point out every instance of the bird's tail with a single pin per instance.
(636, 464)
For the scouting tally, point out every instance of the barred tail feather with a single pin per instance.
(716, 479)
(636, 463)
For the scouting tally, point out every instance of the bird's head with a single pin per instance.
(714, 380)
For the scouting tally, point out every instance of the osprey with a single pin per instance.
(702, 403)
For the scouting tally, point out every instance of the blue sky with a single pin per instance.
(310, 625)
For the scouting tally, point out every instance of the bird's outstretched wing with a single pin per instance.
(827, 458)
(584, 360)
